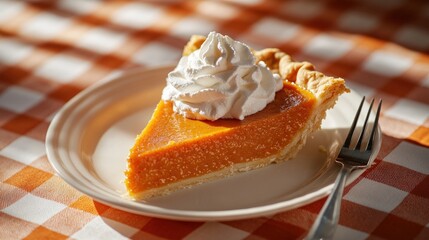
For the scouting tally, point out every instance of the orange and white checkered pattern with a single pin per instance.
(51, 50)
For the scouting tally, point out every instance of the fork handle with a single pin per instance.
(327, 220)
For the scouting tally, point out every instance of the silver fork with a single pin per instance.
(350, 159)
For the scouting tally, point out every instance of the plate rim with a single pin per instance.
(174, 214)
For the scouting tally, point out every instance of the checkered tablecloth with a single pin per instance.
(51, 50)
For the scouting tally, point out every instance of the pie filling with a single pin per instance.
(178, 148)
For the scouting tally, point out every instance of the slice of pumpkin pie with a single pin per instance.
(227, 109)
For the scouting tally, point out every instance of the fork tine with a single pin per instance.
(359, 142)
(371, 138)
(352, 128)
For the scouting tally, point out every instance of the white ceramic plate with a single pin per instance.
(89, 139)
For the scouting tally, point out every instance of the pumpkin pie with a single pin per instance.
(174, 152)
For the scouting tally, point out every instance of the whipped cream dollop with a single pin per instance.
(220, 80)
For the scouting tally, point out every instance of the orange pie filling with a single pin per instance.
(178, 148)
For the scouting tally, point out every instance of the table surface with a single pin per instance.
(51, 50)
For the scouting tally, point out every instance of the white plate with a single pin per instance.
(89, 139)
